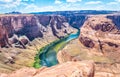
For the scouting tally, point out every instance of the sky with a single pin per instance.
(27, 6)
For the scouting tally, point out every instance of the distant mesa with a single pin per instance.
(76, 12)
(14, 12)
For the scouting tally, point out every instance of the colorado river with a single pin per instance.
(47, 55)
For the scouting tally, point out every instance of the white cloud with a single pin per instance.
(6, 1)
(73, 0)
(65, 7)
(11, 4)
(28, 8)
(27, 0)
(61, 7)
(58, 2)
(68, 5)
(35, 8)
(94, 2)
(112, 3)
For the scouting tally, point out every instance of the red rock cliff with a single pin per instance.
(101, 33)
(32, 26)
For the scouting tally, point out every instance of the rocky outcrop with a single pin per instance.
(98, 41)
(63, 56)
(68, 69)
(102, 34)
(87, 42)
(32, 26)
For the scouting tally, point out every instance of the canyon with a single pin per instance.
(98, 41)
(22, 36)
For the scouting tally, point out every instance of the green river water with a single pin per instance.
(47, 55)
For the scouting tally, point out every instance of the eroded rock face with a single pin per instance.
(21, 36)
(4, 37)
(100, 33)
(76, 20)
(87, 42)
(32, 26)
(103, 32)
(44, 20)
(68, 69)
(98, 41)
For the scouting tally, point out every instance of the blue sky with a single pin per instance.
(26, 6)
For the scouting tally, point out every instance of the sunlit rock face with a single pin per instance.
(68, 69)
(101, 33)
